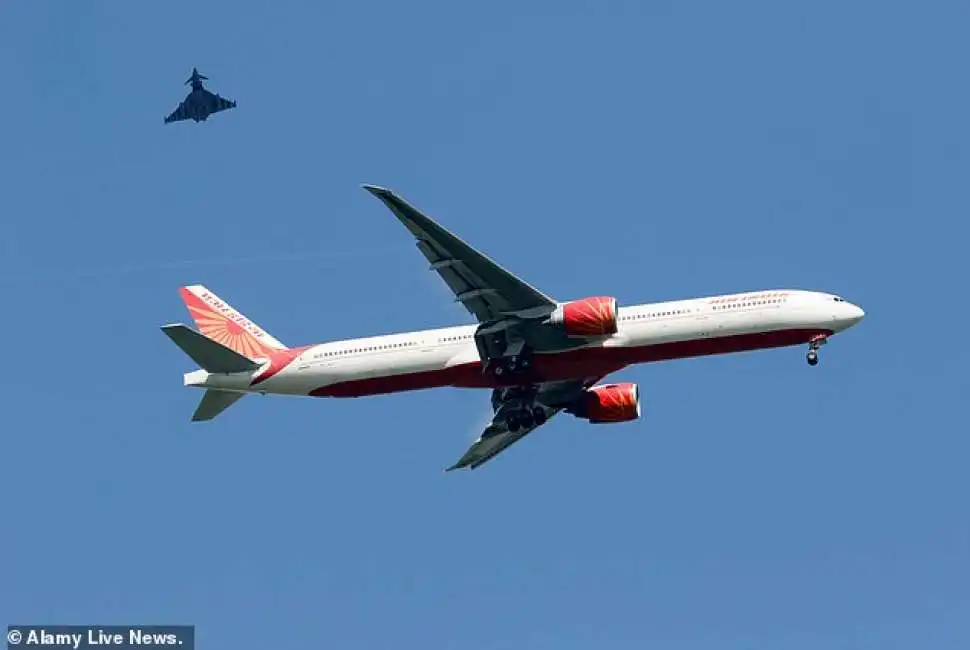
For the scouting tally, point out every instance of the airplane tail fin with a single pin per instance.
(219, 321)
(196, 75)
(227, 343)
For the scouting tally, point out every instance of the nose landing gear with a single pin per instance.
(813, 345)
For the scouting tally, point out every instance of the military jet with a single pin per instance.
(200, 103)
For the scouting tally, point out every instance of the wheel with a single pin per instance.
(812, 358)
(518, 364)
(512, 422)
(538, 415)
(499, 371)
(526, 419)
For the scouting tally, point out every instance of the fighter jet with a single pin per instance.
(200, 103)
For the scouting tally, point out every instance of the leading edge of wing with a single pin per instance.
(517, 294)
(178, 114)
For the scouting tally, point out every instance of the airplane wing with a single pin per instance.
(179, 114)
(487, 290)
(201, 107)
(215, 103)
(497, 437)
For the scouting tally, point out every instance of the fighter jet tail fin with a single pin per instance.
(196, 76)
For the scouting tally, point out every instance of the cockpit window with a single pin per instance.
(838, 299)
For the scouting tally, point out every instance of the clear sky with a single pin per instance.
(647, 150)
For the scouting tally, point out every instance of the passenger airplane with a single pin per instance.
(539, 356)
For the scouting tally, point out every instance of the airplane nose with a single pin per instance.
(857, 314)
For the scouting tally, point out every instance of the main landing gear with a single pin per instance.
(813, 345)
(525, 418)
(519, 407)
(513, 365)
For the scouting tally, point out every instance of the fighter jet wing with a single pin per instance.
(178, 114)
(199, 108)
(215, 103)
(497, 437)
(486, 290)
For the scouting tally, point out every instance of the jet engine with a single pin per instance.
(608, 403)
(595, 316)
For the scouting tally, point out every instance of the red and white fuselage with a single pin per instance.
(449, 356)
(539, 356)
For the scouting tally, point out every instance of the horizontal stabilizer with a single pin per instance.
(215, 402)
(211, 356)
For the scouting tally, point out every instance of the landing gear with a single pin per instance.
(525, 418)
(518, 403)
(519, 363)
(813, 345)
(515, 365)
(539, 415)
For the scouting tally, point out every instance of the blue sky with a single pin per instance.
(644, 150)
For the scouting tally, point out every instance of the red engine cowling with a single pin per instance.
(594, 316)
(610, 403)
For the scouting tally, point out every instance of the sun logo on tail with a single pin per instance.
(223, 324)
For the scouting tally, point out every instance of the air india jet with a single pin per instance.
(537, 355)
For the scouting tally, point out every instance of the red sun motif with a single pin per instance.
(594, 316)
(233, 329)
(223, 329)
(613, 403)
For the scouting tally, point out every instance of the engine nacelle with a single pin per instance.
(594, 316)
(609, 403)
